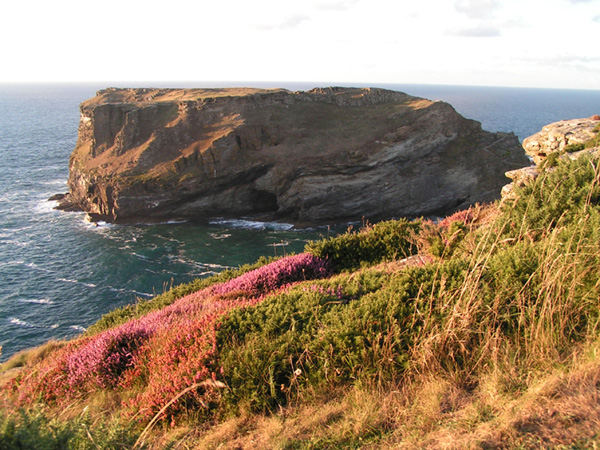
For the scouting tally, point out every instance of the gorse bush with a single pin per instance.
(384, 241)
(352, 328)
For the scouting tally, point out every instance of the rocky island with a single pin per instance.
(324, 155)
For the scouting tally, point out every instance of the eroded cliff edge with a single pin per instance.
(314, 156)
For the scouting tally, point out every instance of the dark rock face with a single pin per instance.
(319, 156)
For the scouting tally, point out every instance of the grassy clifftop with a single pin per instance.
(480, 330)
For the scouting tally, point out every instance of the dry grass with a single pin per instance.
(28, 357)
(346, 419)
(559, 409)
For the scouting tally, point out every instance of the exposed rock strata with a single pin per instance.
(307, 157)
(553, 139)
(556, 136)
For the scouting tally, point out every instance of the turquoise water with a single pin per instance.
(59, 273)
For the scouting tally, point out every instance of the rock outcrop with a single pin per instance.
(564, 139)
(323, 155)
(558, 136)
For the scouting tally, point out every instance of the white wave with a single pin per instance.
(13, 263)
(69, 280)
(16, 243)
(33, 265)
(100, 225)
(143, 294)
(45, 206)
(216, 266)
(165, 222)
(253, 224)
(137, 255)
(220, 236)
(279, 244)
(114, 289)
(25, 228)
(41, 301)
(77, 328)
(56, 182)
(20, 322)
(207, 272)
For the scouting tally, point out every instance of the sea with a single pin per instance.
(59, 273)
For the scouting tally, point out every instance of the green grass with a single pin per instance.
(34, 429)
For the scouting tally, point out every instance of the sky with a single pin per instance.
(525, 43)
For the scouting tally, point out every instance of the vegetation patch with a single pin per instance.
(504, 296)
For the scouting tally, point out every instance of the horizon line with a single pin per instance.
(246, 83)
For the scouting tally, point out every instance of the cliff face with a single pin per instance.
(307, 157)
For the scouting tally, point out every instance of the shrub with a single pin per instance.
(384, 241)
(344, 330)
(286, 270)
(556, 197)
(572, 148)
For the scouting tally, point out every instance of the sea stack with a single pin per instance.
(309, 157)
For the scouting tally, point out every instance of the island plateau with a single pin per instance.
(324, 155)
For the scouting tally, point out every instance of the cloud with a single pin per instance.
(289, 22)
(596, 19)
(566, 59)
(581, 63)
(293, 21)
(581, 1)
(477, 9)
(479, 31)
(335, 5)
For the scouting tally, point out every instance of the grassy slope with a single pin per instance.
(490, 338)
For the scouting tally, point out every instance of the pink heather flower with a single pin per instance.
(304, 266)
(189, 322)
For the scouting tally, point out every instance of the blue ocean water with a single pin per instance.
(59, 273)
